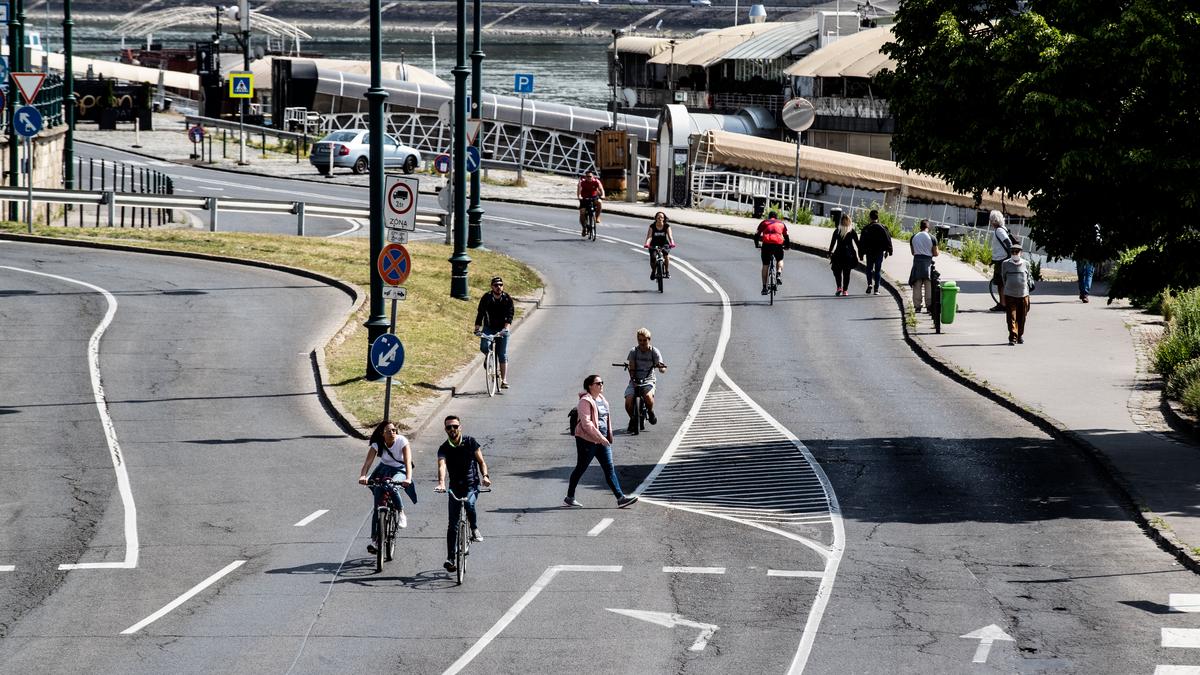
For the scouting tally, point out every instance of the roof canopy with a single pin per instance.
(709, 48)
(640, 44)
(855, 55)
(840, 168)
(773, 44)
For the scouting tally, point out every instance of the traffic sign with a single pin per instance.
(473, 127)
(395, 293)
(4, 71)
(4, 13)
(387, 355)
(472, 159)
(3, 102)
(241, 84)
(394, 264)
(441, 163)
(29, 84)
(29, 121)
(196, 134)
(396, 236)
(402, 195)
(523, 83)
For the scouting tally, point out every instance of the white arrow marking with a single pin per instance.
(986, 636)
(388, 357)
(670, 621)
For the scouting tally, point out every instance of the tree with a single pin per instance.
(1091, 108)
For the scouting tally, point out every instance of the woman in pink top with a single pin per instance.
(593, 438)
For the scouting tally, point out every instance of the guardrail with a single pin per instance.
(110, 201)
(300, 141)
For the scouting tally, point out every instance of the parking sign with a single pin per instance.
(523, 83)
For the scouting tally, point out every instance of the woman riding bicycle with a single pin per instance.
(659, 234)
(395, 458)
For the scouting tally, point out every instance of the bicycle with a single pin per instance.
(659, 262)
(464, 534)
(386, 522)
(589, 223)
(641, 387)
(491, 363)
(772, 281)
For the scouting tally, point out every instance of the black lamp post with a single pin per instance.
(68, 99)
(377, 324)
(459, 261)
(475, 236)
(16, 53)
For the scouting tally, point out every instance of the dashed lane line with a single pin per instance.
(183, 598)
(693, 570)
(7, 568)
(600, 527)
(795, 573)
(311, 517)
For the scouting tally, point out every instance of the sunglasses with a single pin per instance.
(451, 426)
(598, 382)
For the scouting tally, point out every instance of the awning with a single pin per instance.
(640, 44)
(391, 70)
(775, 43)
(856, 55)
(709, 48)
(840, 168)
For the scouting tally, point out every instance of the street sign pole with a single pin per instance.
(521, 162)
(16, 36)
(387, 387)
(29, 184)
(475, 212)
(460, 261)
(798, 115)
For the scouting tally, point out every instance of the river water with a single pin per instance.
(565, 70)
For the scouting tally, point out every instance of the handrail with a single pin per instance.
(250, 129)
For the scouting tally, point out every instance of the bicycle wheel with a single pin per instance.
(592, 225)
(389, 544)
(658, 274)
(464, 539)
(489, 368)
(380, 525)
(995, 291)
(771, 285)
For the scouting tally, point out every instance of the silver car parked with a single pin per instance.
(351, 149)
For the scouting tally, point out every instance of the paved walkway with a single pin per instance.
(1081, 370)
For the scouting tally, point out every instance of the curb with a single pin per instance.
(1180, 420)
(326, 396)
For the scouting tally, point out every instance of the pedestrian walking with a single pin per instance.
(1016, 287)
(1001, 246)
(924, 248)
(875, 245)
(842, 253)
(1084, 267)
(593, 439)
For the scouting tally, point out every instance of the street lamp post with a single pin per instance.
(68, 99)
(377, 324)
(475, 231)
(459, 261)
(16, 53)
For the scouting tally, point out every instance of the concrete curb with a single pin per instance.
(1179, 420)
(325, 394)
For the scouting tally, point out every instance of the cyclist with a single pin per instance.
(460, 459)
(589, 187)
(659, 234)
(642, 361)
(395, 458)
(772, 237)
(492, 321)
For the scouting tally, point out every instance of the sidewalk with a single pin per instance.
(1082, 371)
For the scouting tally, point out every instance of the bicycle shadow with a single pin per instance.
(364, 575)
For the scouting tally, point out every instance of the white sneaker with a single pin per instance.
(475, 536)
(403, 520)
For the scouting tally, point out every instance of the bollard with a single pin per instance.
(298, 209)
(137, 132)
(631, 185)
(264, 142)
(108, 199)
(211, 204)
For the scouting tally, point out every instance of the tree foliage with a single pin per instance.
(1091, 108)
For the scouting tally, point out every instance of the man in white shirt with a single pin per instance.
(923, 247)
(1001, 249)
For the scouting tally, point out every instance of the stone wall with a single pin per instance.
(47, 167)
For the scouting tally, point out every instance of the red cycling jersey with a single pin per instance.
(772, 231)
(589, 188)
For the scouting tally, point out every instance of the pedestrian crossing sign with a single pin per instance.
(241, 85)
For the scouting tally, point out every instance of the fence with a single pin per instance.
(105, 175)
(298, 141)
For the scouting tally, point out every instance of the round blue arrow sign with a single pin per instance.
(28, 121)
(387, 355)
(472, 159)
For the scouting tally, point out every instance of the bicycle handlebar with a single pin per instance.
(456, 497)
(382, 482)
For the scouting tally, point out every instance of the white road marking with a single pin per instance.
(1177, 670)
(670, 621)
(520, 605)
(7, 568)
(795, 573)
(290, 193)
(1184, 602)
(110, 432)
(693, 570)
(1184, 638)
(600, 527)
(311, 517)
(183, 598)
(355, 222)
(986, 636)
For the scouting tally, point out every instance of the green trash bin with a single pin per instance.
(949, 301)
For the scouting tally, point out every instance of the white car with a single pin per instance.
(589, 2)
(351, 149)
(701, 3)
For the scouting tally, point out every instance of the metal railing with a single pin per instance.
(299, 141)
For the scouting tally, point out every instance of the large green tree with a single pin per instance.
(1091, 108)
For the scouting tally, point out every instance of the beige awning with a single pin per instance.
(392, 70)
(709, 48)
(856, 55)
(641, 44)
(840, 168)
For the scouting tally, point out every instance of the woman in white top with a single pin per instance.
(395, 458)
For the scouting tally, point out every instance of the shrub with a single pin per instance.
(1191, 397)
(975, 249)
(1182, 340)
(886, 218)
(1185, 375)
(1035, 270)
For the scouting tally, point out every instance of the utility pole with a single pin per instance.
(377, 324)
(244, 20)
(68, 100)
(475, 232)
(460, 260)
(16, 55)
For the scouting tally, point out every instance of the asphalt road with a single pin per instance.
(954, 515)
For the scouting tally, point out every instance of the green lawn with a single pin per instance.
(434, 327)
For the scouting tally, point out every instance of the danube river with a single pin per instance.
(565, 69)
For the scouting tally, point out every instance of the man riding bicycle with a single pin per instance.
(641, 362)
(772, 237)
(492, 321)
(460, 464)
(589, 189)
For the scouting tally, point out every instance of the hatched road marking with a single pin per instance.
(600, 527)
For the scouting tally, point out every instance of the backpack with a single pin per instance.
(573, 419)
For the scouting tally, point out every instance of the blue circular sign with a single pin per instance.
(196, 134)
(441, 163)
(27, 121)
(387, 355)
(472, 159)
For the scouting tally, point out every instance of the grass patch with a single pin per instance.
(435, 328)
